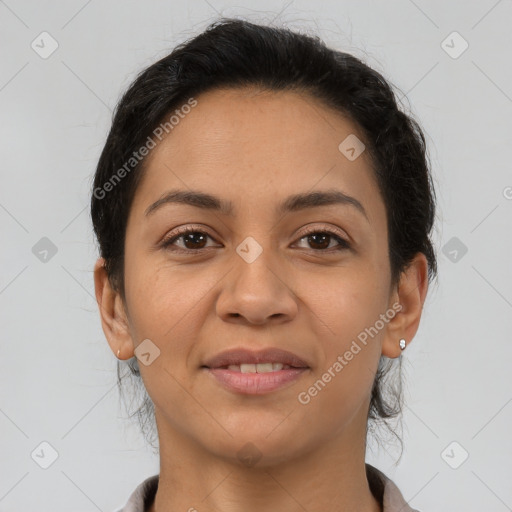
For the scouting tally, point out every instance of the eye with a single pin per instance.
(322, 239)
(192, 238)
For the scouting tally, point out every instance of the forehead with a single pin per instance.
(259, 146)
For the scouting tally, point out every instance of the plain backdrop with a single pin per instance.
(57, 373)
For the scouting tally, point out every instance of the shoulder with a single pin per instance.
(143, 496)
(385, 490)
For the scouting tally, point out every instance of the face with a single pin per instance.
(308, 277)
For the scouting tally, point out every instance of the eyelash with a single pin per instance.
(167, 243)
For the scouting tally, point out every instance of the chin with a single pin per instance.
(258, 447)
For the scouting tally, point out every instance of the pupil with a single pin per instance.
(189, 237)
(324, 236)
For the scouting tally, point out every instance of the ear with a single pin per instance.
(410, 294)
(114, 320)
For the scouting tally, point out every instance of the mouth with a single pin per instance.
(248, 361)
(254, 383)
(256, 368)
(255, 373)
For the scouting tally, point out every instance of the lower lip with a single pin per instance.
(255, 383)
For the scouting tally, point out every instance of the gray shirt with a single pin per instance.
(386, 492)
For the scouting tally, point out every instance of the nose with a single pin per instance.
(256, 292)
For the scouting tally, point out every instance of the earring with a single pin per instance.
(402, 343)
(118, 350)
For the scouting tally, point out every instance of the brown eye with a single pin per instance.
(192, 239)
(321, 241)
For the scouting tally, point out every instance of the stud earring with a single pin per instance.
(402, 343)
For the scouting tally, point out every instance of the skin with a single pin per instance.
(255, 149)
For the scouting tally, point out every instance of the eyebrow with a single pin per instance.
(292, 203)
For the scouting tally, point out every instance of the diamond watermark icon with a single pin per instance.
(454, 455)
(454, 249)
(44, 455)
(147, 352)
(249, 454)
(44, 250)
(249, 249)
(454, 45)
(351, 147)
(44, 45)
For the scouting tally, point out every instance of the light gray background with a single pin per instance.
(56, 369)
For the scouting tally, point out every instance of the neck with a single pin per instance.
(331, 477)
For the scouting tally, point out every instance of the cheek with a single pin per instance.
(346, 310)
(350, 350)
(164, 302)
(348, 299)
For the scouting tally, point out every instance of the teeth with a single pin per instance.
(258, 368)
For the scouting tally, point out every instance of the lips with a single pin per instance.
(246, 356)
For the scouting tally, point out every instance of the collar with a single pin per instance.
(384, 490)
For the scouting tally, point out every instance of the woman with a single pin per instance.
(263, 210)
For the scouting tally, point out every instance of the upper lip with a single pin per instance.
(246, 356)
